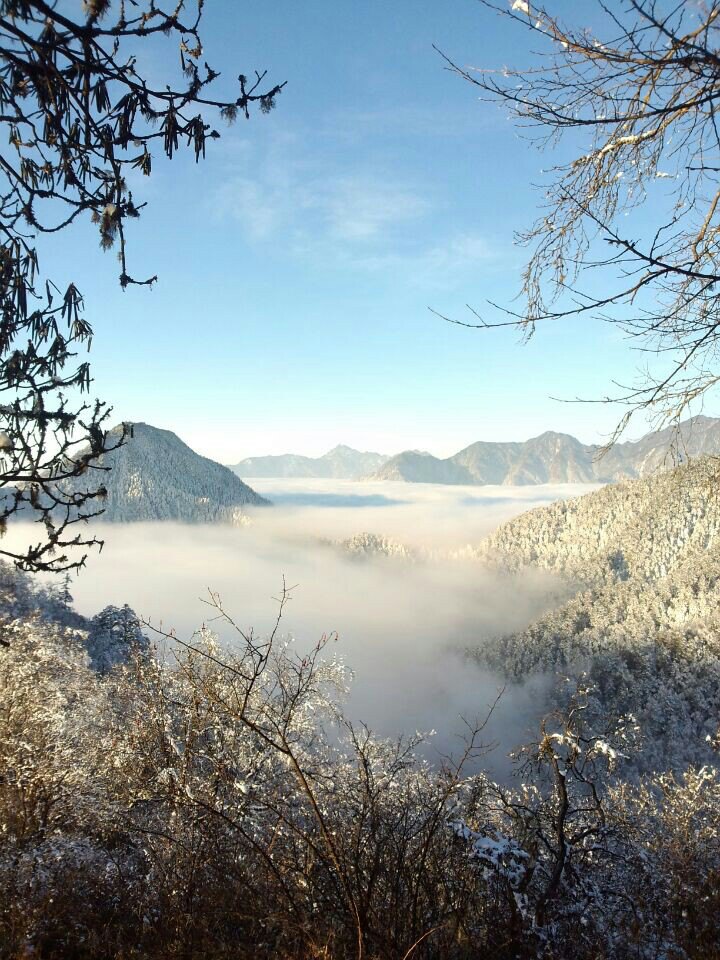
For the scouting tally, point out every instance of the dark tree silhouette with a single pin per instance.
(77, 116)
(630, 226)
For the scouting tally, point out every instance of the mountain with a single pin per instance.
(632, 609)
(341, 463)
(549, 458)
(557, 458)
(641, 529)
(696, 437)
(417, 467)
(155, 476)
(642, 628)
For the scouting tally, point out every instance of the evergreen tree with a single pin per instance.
(78, 115)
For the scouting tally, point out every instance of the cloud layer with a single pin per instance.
(401, 627)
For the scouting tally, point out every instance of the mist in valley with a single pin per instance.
(401, 627)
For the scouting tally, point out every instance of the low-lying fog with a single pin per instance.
(401, 626)
(420, 514)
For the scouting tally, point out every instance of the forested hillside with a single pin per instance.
(642, 529)
(634, 606)
(155, 476)
(645, 627)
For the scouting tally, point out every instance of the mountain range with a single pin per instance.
(558, 458)
(550, 458)
(340, 463)
(155, 476)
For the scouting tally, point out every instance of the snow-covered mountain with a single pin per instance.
(633, 609)
(342, 463)
(557, 458)
(644, 625)
(696, 437)
(155, 476)
(641, 529)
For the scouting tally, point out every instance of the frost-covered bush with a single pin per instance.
(216, 803)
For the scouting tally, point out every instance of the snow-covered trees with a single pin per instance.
(631, 90)
(636, 528)
(115, 636)
(155, 476)
(645, 626)
(215, 802)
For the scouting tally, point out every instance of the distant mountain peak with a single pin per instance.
(554, 435)
(341, 463)
(342, 448)
(154, 475)
(554, 457)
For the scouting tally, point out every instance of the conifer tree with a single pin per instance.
(76, 115)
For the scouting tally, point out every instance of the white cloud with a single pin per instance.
(436, 264)
(361, 208)
(355, 208)
(402, 627)
(361, 218)
(247, 201)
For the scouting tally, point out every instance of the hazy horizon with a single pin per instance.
(444, 452)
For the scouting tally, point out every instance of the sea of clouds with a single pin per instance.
(401, 627)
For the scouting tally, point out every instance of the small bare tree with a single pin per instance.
(630, 227)
(344, 831)
(78, 115)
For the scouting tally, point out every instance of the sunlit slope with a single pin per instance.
(155, 476)
(644, 631)
(637, 528)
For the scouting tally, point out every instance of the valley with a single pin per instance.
(429, 634)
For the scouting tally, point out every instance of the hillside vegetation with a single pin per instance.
(216, 804)
(211, 800)
(633, 529)
(635, 612)
(644, 628)
(155, 476)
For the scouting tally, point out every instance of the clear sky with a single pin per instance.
(298, 262)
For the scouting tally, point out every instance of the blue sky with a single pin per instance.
(298, 262)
